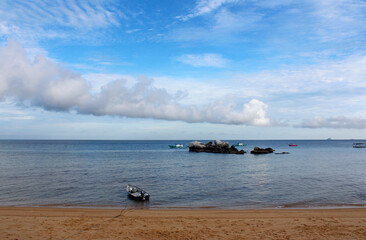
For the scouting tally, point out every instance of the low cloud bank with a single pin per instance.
(335, 122)
(45, 84)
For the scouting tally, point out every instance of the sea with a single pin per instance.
(88, 173)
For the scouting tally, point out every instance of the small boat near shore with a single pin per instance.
(137, 193)
(181, 146)
(359, 145)
(293, 145)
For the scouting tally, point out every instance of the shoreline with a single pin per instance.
(97, 223)
(178, 209)
(137, 207)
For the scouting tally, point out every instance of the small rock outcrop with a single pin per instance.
(258, 150)
(216, 147)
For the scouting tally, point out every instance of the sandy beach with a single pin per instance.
(76, 223)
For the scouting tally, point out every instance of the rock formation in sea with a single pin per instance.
(216, 147)
(258, 150)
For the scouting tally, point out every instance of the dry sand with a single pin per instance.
(70, 223)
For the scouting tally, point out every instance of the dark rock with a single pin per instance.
(258, 150)
(217, 147)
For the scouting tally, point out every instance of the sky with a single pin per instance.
(194, 69)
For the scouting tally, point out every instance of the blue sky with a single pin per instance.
(203, 69)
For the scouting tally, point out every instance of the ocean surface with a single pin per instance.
(322, 173)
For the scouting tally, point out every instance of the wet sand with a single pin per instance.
(76, 223)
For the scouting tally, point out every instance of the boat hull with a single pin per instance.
(138, 198)
(137, 193)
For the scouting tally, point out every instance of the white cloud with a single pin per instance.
(293, 93)
(203, 60)
(43, 83)
(335, 122)
(255, 114)
(204, 7)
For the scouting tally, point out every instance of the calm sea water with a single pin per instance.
(95, 173)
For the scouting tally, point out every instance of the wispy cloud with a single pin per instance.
(342, 19)
(43, 83)
(78, 14)
(332, 87)
(279, 26)
(204, 7)
(224, 25)
(56, 19)
(335, 122)
(203, 60)
(8, 112)
(10, 118)
(133, 30)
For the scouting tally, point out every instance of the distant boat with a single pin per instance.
(137, 193)
(177, 146)
(359, 145)
(239, 144)
(293, 145)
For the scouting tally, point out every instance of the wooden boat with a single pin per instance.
(137, 193)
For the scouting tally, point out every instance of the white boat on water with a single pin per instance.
(177, 146)
(239, 144)
(359, 145)
(137, 193)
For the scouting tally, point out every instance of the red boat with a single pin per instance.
(293, 145)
